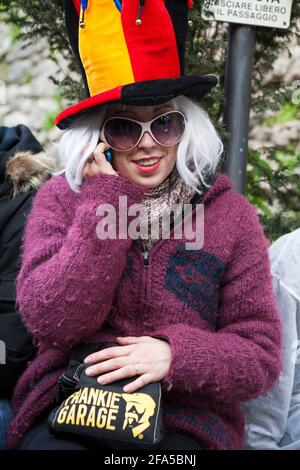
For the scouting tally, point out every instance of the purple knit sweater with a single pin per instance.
(215, 306)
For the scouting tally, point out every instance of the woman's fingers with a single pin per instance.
(106, 366)
(138, 383)
(99, 153)
(108, 353)
(97, 162)
(91, 168)
(94, 167)
(130, 339)
(143, 356)
(119, 374)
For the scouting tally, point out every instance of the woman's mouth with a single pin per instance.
(147, 165)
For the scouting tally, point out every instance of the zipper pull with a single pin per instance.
(146, 258)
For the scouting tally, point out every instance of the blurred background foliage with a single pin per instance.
(273, 173)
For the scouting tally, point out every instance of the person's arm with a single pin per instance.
(68, 276)
(267, 416)
(242, 359)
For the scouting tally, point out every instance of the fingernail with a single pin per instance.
(88, 372)
(101, 381)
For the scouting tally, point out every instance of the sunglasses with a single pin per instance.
(123, 134)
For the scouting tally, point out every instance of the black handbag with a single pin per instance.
(106, 412)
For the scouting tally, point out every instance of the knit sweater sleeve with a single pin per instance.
(68, 275)
(241, 360)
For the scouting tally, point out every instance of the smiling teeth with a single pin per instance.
(148, 162)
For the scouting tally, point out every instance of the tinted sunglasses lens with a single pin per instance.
(122, 134)
(168, 129)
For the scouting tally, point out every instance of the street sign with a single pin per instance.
(270, 13)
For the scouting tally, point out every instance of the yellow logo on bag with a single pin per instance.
(139, 408)
(98, 408)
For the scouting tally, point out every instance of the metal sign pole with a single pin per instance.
(241, 43)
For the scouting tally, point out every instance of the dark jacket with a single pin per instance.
(22, 169)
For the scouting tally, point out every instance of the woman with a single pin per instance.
(203, 322)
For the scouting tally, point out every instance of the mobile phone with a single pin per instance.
(108, 155)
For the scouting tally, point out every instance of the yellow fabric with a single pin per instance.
(103, 48)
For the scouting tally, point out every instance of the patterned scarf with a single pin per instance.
(158, 203)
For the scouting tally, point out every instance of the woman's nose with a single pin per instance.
(147, 140)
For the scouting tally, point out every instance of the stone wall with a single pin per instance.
(28, 96)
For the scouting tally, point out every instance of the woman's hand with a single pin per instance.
(97, 162)
(148, 357)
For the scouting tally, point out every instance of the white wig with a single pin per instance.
(197, 157)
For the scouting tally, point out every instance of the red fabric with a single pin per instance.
(152, 45)
(111, 95)
(77, 6)
(190, 4)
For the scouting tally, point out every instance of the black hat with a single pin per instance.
(131, 52)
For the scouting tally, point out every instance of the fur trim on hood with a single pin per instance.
(27, 171)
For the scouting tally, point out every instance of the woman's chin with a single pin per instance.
(144, 183)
